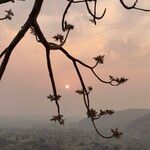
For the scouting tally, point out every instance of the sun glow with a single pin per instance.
(67, 86)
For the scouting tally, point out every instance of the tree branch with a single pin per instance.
(6, 1)
(32, 17)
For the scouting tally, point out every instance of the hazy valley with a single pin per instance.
(34, 134)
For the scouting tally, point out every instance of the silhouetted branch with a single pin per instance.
(34, 27)
(94, 14)
(2, 53)
(106, 137)
(65, 13)
(6, 1)
(85, 93)
(32, 17)
(52, 79)
(113, 81)
(90, 12)
(45, 43)
(133, 6)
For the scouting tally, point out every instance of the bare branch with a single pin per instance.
(33, 25)
(133, 6)
(52, 79)
(65, 13)
(6, 1)
(32, 17)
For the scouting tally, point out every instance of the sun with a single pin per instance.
(67, 86)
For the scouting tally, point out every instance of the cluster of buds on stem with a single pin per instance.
(58, 118)
(99, 59)
(116, 133)
(68, 26)
(121, 80)
(53, 98)
(59, 38)
(9, 15)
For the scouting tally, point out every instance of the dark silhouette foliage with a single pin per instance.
(85, 91)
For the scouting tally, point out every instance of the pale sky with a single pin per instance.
(122, 36)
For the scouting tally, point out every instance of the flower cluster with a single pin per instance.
(59, 38)
(80, 92)
(92, 113)
(121, 80)
(106, 112)
(9, 14)
(116, 133)
(68, 26)
(53, 98)
(95, 115)
(58, 118)
(99, 59)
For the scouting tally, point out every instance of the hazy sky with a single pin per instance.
(122, 35)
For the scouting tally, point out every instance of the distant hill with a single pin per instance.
(119, 119)
(135, 124)
(34, 134)
(140, 128)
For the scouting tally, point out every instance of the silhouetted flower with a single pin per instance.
(58, 118)
(109, 112)
(90, 88)
(121, 80)
(102, 112)
(59, 38)
(99, 59)
(92, 20)
(92, 113)
(80, 92)
(116, 133)
(9, 14)
(32, 30)
(53, 98)
(68, 26)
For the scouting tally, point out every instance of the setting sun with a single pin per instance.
(67, 86)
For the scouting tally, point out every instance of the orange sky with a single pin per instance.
(123, 36)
